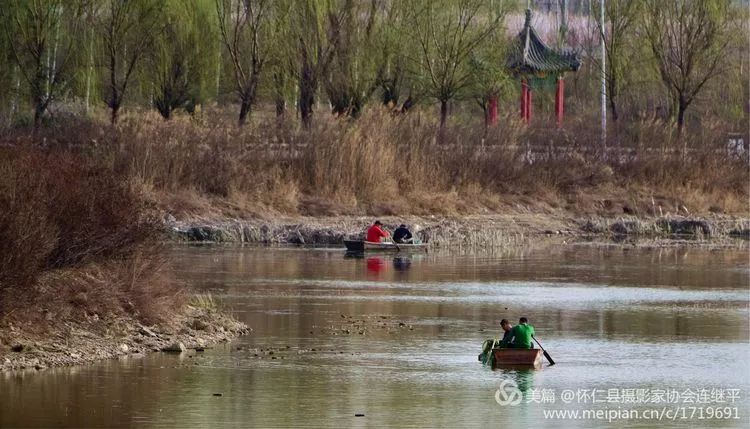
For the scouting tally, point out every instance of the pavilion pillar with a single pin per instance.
(492, 111)
(529, 104)
(560, 101)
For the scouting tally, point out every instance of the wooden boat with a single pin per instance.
(367, 246)
(518, 357)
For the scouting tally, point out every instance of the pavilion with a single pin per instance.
(537, 66)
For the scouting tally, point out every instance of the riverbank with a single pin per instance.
(24, 346)
(495, 230)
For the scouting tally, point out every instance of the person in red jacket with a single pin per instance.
(375, 232)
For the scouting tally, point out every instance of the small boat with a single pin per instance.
(518, 357)
(367, 246)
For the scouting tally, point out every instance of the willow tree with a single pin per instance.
(127, 29)
(353, 73)
(244, 26)
(315, 27)
(390, 50)
(447, 33)
(283, 61)
(41, 36)
(689, 41)
(488, 76)
(619, 30)
(182, 56)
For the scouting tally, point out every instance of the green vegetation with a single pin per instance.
(681, 62)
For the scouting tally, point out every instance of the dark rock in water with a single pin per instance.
(200, 349)
(218, 394)
(359, 415)
(207, 233)
(174, 348)
(296, 238)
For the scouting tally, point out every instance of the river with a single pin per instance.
(641, 337)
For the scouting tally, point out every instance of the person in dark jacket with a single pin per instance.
(507, 333)
(402, 235)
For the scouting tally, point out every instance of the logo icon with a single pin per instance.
(508, 393)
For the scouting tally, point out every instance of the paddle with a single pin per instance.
(549, 358)
(398, 249)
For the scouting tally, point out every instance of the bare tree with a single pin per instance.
(243, 25)
(128, 28)
(689, 40)
(447, 32)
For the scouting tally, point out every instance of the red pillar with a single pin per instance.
(528, 105)
(560, 101)
(524, 99)
(492, 111)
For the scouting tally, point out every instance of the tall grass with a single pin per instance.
(385, 164)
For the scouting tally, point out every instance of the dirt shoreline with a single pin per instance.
(495, 230)
(95, 339)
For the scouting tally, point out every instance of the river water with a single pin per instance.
(641, 337)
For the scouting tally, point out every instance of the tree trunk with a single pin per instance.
(247, 99)
(306, 95)
(612, 95)
(38, 113)
(390, 92)
(280, 106)
(245, 105)
(681, 107)
(443, 112)
(279, 100)
(613, 108)
(114, 115)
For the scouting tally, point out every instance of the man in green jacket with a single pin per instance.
(522, 334)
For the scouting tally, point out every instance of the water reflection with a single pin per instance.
(522, 376)
(402, 263)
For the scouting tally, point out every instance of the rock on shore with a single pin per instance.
(84, 342)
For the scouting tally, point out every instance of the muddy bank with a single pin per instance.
(468, 231)
(82, 342)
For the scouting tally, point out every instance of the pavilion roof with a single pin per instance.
(530, 55)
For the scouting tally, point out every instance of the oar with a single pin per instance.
(549, 358)
(398, 249)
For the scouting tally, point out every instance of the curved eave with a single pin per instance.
(531, 55)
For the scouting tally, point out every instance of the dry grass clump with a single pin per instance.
(77, 237)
